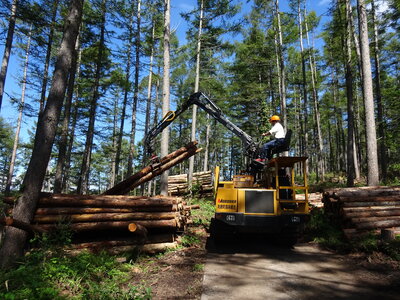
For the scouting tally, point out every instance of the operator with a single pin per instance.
(278, 133)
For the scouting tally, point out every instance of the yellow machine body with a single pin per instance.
(266, 205)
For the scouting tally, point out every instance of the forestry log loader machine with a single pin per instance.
(262, 200)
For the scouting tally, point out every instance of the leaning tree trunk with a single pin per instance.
(83, 182)
(21, 108)
(62, 148)
(166, 94)
(7, 49)
(372, 149)
(24, 209)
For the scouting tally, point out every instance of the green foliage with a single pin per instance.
(321, 229)
(190, 240)
(203, 215)
(392, 248)
(198, 267)
(61, 236)
(6, 146)
(43, 275)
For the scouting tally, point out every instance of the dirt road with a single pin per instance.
(303, 272)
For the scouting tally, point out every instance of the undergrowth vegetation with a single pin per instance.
(44, 274)
(322, 230)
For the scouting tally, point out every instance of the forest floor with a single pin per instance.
(181, 274)
(175, 274)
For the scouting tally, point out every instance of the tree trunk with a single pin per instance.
(148, 102)
(282, 74)
(125, 101)
(19, 121)
(7, 49)
(304, 84)
(83, 182)
(349, 93)
(48, 58)
(196, 89)
(135, 94)
(166, 93)
(24, 210)
(372, 152)
(207, 141)
(62, 148)
(381, 127)
(313, 71)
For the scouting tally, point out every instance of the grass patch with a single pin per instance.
(47, 275)
(203, 215)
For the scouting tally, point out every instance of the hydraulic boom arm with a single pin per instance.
(251, 147)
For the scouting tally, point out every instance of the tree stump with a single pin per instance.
(388, 234)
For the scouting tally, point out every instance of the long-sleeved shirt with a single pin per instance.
(277, 131)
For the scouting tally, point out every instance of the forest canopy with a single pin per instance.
(253, 59)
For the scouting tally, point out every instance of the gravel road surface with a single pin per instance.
(303, 272)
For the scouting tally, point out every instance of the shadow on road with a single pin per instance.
(254, 244)
(266, 270)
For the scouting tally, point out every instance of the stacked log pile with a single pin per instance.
(178, 184)
(113, 223)
(364, 209)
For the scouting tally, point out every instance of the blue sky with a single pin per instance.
(15, 69)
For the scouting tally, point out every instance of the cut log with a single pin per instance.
(132, 240)
(105, 217)
(115, 250)
(99, 210)
(137, 228)
(158, 171)
(21, 225)
(371, 203)
(378, 224)
(367, 191)
(370, 199)
(107, 201)
(122, 225)
(124, 186)
(372, 213)
(192, 207)
(370, 208)
(374, 219)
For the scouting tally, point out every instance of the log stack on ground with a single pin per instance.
(178, 184)
(112, 223)
(114, 220)
(364, 209)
